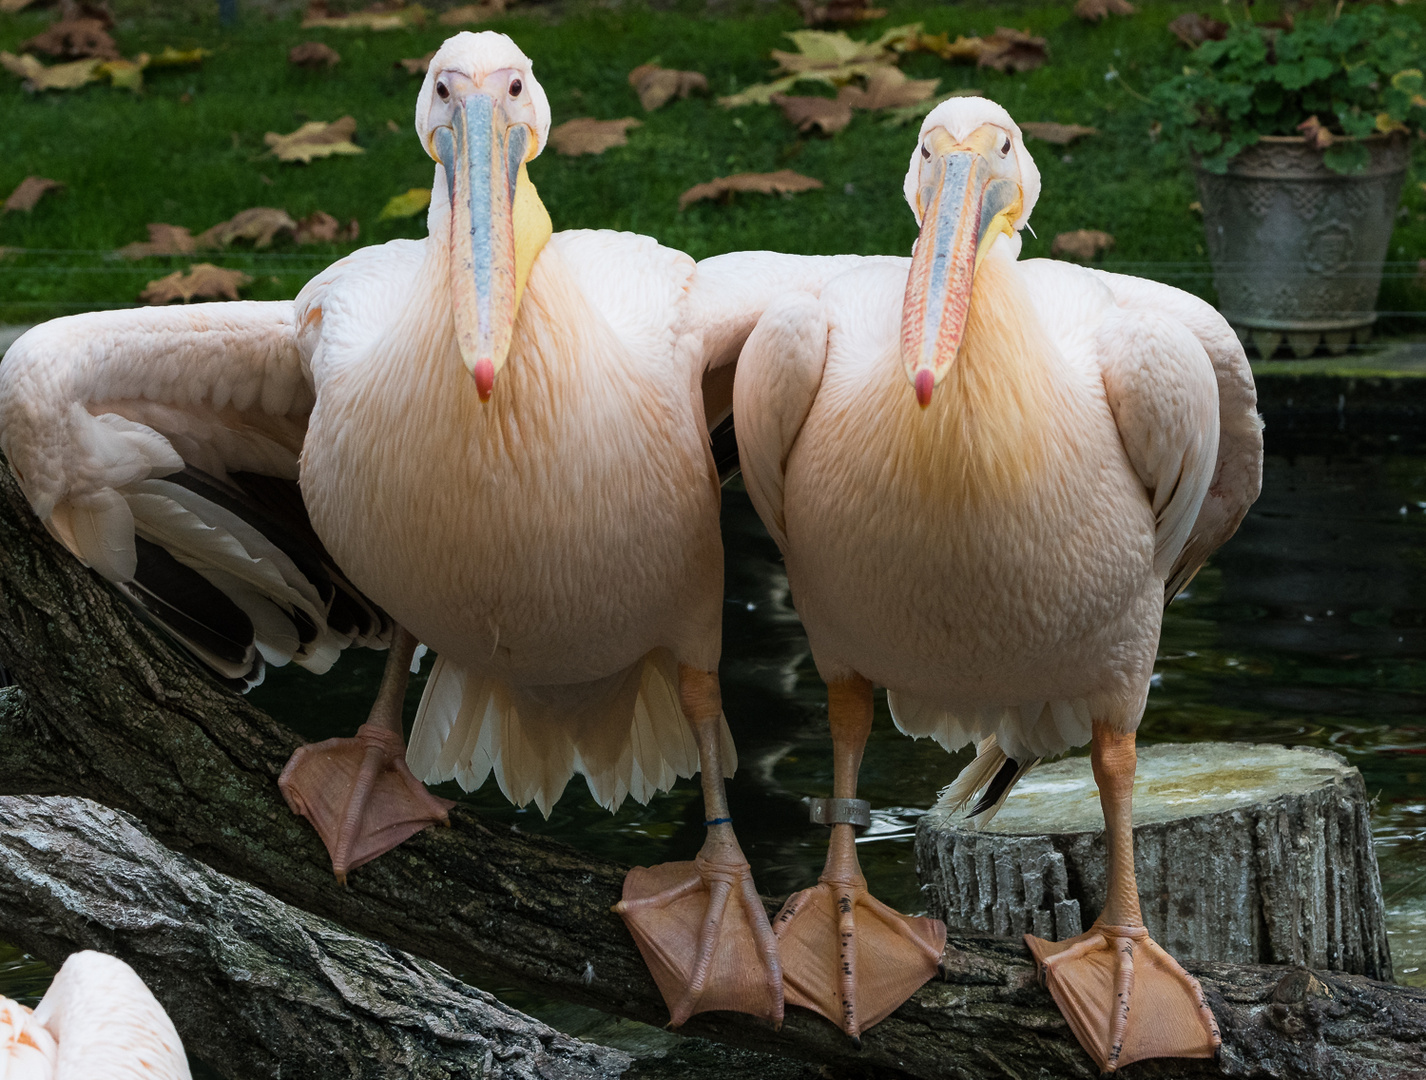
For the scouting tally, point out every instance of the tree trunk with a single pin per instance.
(1245, 854)
(257, 987)
(110, 711)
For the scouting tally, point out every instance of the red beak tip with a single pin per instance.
(925, 383)
(484, 378)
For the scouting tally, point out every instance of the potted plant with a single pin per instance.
(1300, 134)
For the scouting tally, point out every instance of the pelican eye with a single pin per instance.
(925, 151)
(515, 87)
(1005, 149)
(442, 91)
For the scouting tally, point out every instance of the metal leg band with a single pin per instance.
(854, 812)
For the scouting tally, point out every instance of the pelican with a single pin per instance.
(96, 1019)
(493, 442)
(987, 477)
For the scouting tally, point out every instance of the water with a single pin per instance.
(1307, 629)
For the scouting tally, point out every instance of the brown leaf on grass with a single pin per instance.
(888, 88)
(73, 39)
(837, 12)
(1194, 29)
(260, 224)
(1059, 134)
(316, 139)
(1316, 133)
(472, 13)
(586, 135)
(384, 16)
(313, 54)
(1082, 244)
(56, 77)
(782, 182)
(203, 281)
(29, 192)
(417, 65)
(163, 240)
(10, 7)
(1098, 10)
(322, 228)
(87, 9)
(828, 114)
(658, 86)
(1013, 50)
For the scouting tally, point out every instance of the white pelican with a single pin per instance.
(96, 1019)
(987, 477)
(548, 526)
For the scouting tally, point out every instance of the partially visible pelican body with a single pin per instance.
(504, 453)
(97, 1019)
(994, 544)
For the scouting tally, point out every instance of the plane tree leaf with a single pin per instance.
(29, 192)
(417, 65)
(837, 12)
(888, 88)
(657, 86)
(163, 239)
(470, 14)
(203, 281)
(260, 224)
(1099, 10)
(408, 204)
(38, 77)
(74, 39)
(830, 115)
(1013, 50)
(586, 135)
(171, 57)
(782, 182)
(907, 113)
(316, 139)
(314, 55)
(392, 15)
(320, 227)
(1194, 29)
(1082, 244)
(1059, 134)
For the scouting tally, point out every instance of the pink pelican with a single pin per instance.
(987, 478)
(494, 442)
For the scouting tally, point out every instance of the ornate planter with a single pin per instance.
(1297, 249)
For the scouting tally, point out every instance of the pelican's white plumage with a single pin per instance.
(97, 1019)
(996, 547)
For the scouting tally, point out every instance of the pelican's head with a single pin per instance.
(971, 180)
(482, 116)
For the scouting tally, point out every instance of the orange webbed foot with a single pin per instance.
(704, 933)
(360, 796)
(852, 958)
(1125, 998)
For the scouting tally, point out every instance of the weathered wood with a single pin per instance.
(1245, 854)
(255, 986)
(109, 710)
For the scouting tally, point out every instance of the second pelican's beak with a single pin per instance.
(482, 152)
(964, 206)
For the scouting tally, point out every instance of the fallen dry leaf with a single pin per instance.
(1316, 133)
(837, 12)
(163, 240)
(784, 181)
(408, 204)
(73, 39)
(417, 65)
(1083, 244)
(56, 77)
(586, 135)
(829, 114)
(125, 74)
(204, 281)
(313, 54)
(387, 16)
(87, 9)
(657, 86)
(1013, 50)
(171, 57)
(829, 52)
(316, 139)
(1194, 29)
(322, 228)
(1099, 10)
(1059, 134)
(260, 224)
(9, 7)
(472, 13)
(29, 192)
(888, 88)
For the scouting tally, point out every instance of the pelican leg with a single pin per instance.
(359, 793)
(1125, 997)
(701, 925)
(845, 954)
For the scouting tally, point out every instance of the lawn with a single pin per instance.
(189, 149)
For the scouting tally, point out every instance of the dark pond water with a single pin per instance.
(1307, 629)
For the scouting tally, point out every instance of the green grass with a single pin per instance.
(190, 150)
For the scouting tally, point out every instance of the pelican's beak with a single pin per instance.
(482, 152)
(963, 208)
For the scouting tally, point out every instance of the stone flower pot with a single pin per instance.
(1297, 249)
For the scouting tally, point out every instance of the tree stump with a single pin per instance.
(1244, 853)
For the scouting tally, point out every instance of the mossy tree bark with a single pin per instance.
(111, 711)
